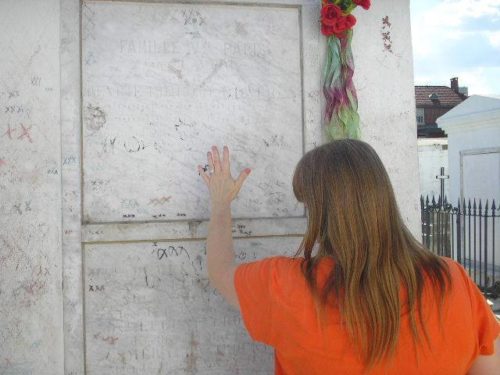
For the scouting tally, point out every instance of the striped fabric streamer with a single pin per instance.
(341, 107)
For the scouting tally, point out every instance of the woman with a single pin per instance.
(366, 297)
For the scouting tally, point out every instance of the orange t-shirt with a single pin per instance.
(278, 309)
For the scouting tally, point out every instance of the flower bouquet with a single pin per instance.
(341, 107)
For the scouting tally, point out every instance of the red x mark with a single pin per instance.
(8, 132)
(25, 133)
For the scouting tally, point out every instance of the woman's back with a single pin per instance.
(278, 309)
(370, 297)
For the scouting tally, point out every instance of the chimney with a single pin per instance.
(454, 84)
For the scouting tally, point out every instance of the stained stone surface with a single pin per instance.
(31, 337)
(150, 308)
(163, 82)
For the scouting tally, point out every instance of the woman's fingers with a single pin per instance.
(216, 159)
(210, 162)
(225, 159)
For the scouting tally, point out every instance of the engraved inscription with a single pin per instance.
(164, 82)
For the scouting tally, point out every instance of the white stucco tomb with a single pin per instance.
(106, 109)
(473, 129)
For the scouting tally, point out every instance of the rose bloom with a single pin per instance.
(334, 22)
(363, 3)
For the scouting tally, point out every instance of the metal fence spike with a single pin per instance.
(468, 237)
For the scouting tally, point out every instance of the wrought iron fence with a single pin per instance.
(467, 233)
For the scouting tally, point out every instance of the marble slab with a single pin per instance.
(150, 309)
(162, 83)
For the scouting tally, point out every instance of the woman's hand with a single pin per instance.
(222, 187)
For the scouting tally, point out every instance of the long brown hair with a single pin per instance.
(354, 218)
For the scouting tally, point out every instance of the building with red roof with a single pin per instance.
(433, 102)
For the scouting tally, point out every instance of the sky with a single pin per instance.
(457, 38)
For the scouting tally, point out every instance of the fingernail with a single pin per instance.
(248, 170)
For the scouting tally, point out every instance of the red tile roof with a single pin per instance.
(447, 97)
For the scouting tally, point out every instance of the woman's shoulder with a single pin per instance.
(287, 264)
(283, 276)
(463, 287)
(275, 266)
(279, 279)
(450, 262)
(279, 262)
(457, 270)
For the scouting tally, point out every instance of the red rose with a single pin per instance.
(330, 12)
(363, 3)
(334, 22)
